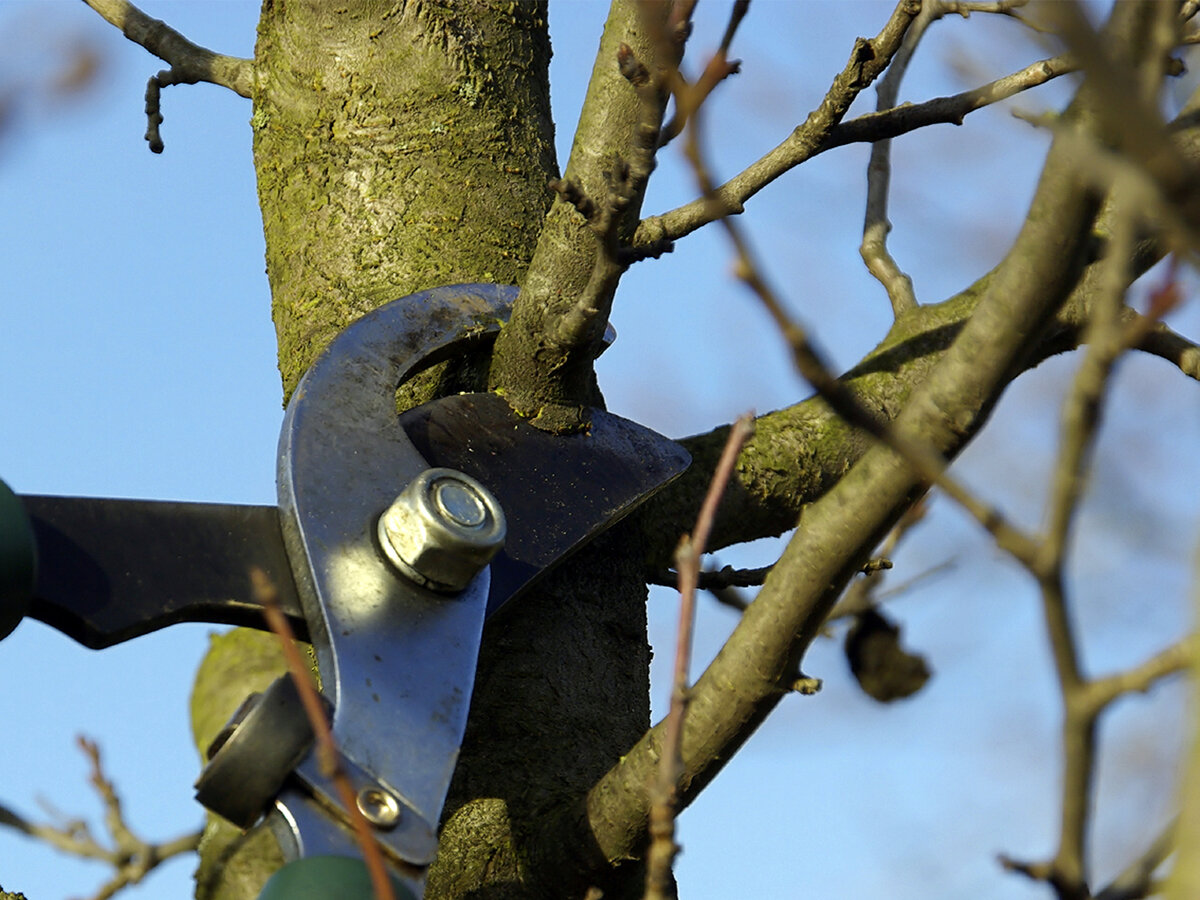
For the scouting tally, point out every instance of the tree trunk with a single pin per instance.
(400, 148)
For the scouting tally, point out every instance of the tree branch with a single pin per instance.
(876, 226)
(867, 60)
(664, 790)
(836, 534)
(798, 453)
(542, 362)
(130, 857)
(866, 128)
(190, 63)
(951, 110)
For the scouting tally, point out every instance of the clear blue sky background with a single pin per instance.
(137, 359)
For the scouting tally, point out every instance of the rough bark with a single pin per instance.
(400, 148)
(397, 148)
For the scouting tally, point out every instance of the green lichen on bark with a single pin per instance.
(398, 147)
(798, 453)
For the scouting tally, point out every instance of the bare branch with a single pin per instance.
(867, 60)
(876, 126)
(568, 289)
(766, 501)
(1166, 344)
(811, 365)
(130, 857)
(876, 226)
(950, 110)
(837, 533)
(1107, 336)
(1171, 661)
(190, 63)
(663, 793)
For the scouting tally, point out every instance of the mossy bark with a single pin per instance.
(400, 147)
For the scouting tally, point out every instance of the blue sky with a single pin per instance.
(137, 359)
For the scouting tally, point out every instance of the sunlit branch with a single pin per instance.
(873, 250)
(950, 110)
(663, 793)
(799, 147)
(190, 63)
(867, 60)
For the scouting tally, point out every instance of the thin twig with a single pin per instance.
(1080, 421)
(1109, 334)
(950, 110)
(802, 144)
(662, 850)
(719, 68)
(876, 226)
(190, 63)
(861, 594)
(1172, 660)
(867, 60)
(131, 857)
(811, 365)
(232, 72)
(267, 596)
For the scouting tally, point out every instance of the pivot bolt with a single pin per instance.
(442, 530)
(378, 807)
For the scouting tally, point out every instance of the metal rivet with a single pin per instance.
(378, 807)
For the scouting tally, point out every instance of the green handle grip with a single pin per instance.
(326, 878)
(18, 561)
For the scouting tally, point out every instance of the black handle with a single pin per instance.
(18, 561)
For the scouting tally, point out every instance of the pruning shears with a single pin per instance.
(396, 537)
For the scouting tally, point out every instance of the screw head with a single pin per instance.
(378, 807)
(442, 530)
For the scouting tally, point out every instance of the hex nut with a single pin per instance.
(442, 530)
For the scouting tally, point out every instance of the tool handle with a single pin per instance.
(326, 878)
(18, 561)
